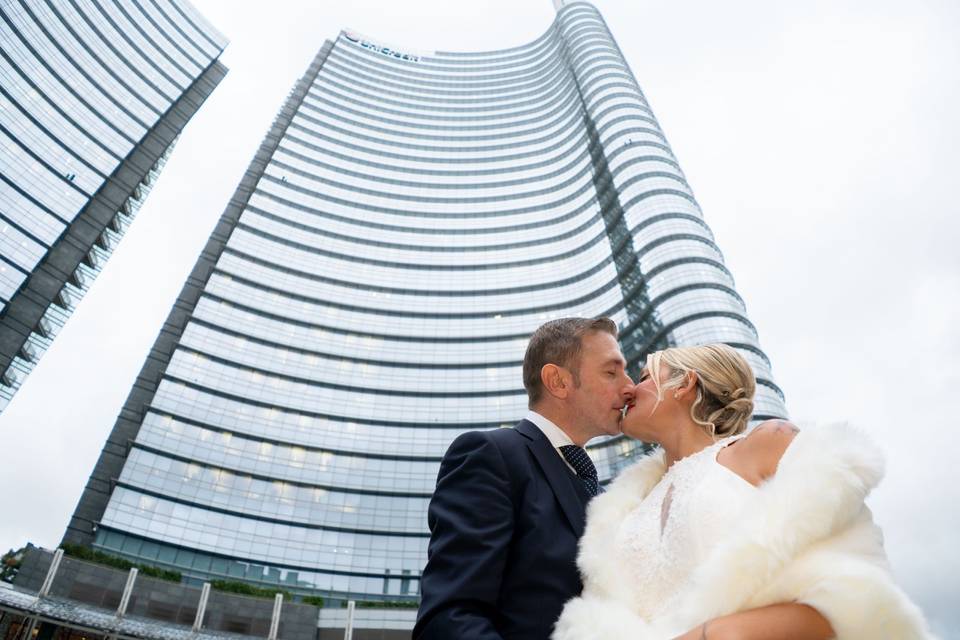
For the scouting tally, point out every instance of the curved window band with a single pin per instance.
(233, 333)
(106, 95)
(346, 83)
(564, 106)
(246, 515)
(252, 561)
(204, 30)
(371, 83)
(297, 322)
(570, 110)
(590, 41)
(581, 139)
(586, 187)
(586, 170)
(330, 417)
(95, 140)
(420, 365)
(165, 34)
(532, 69)
(370, 78)
(206, 58)
(28, 150)
(546, 143)
(570, 115)
(39, 205)
(430, 394)
(131, 67)
(109, 68)
(583, 176)
(284, 443)
(544, 240)
(266, 478)
(161, 50)
(345, 55)
(560, 84)
(122, 33)
(566, 168)
(449, 266)
(381, 105)
(339, 94)
(426, 315)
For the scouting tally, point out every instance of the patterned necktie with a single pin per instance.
(583, 465)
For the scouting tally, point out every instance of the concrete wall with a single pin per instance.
(166, 602)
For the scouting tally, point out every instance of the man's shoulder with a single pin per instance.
(505, 443)
(491, 453)
(482, 437)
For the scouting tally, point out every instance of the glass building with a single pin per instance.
(93, 94)
(410, 218)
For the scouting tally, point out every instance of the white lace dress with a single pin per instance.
(676, 526)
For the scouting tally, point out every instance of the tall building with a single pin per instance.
(410, 218)
(93, 95)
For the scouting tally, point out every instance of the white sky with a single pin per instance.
(822, 142)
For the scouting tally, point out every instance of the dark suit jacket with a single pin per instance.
(504, 520)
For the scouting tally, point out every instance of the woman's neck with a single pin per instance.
(684, 441)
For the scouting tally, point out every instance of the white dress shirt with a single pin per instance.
(555, 434)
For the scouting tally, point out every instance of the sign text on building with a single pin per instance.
(387, 51)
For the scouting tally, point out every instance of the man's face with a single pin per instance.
(604, 385)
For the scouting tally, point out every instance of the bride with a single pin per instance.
(724, 535)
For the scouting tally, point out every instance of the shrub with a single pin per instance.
(247, 589)
(10, 564)
(93, 555)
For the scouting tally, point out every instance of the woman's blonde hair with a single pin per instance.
(725, 385)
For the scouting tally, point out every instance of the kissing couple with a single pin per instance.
(717, 534)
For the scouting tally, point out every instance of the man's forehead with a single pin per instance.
(602, 346)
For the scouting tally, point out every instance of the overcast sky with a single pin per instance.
(820, 138)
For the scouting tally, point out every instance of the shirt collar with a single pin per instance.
(555, 434)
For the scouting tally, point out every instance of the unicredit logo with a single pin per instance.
(387, 51)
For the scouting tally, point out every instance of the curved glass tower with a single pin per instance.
(93, 95)
(409, 220)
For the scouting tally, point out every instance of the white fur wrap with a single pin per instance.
(808, 537)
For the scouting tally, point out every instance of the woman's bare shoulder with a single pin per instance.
(762, 449)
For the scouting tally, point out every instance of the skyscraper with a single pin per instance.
(93, 95)
(410, 218)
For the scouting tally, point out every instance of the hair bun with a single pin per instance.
(741, 405)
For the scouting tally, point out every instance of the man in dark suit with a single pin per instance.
(509, 506)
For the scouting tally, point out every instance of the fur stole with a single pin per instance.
(807, 537)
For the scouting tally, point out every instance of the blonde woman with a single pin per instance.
(725, 535)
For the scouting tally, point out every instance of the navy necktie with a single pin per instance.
(583, 465)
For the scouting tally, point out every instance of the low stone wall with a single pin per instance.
(165, 603)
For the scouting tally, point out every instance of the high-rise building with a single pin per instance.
(410, 218)
(93, 95)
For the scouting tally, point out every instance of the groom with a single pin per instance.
(509, 505)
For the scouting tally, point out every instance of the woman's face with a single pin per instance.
(645, 417)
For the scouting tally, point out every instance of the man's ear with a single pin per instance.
(556, 380)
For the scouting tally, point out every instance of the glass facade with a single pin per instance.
(92, 96)
(408, 221)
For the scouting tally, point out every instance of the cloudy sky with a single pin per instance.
(822, 142)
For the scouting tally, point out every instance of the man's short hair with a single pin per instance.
(559, 342)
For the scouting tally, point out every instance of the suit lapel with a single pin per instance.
(557, 474)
